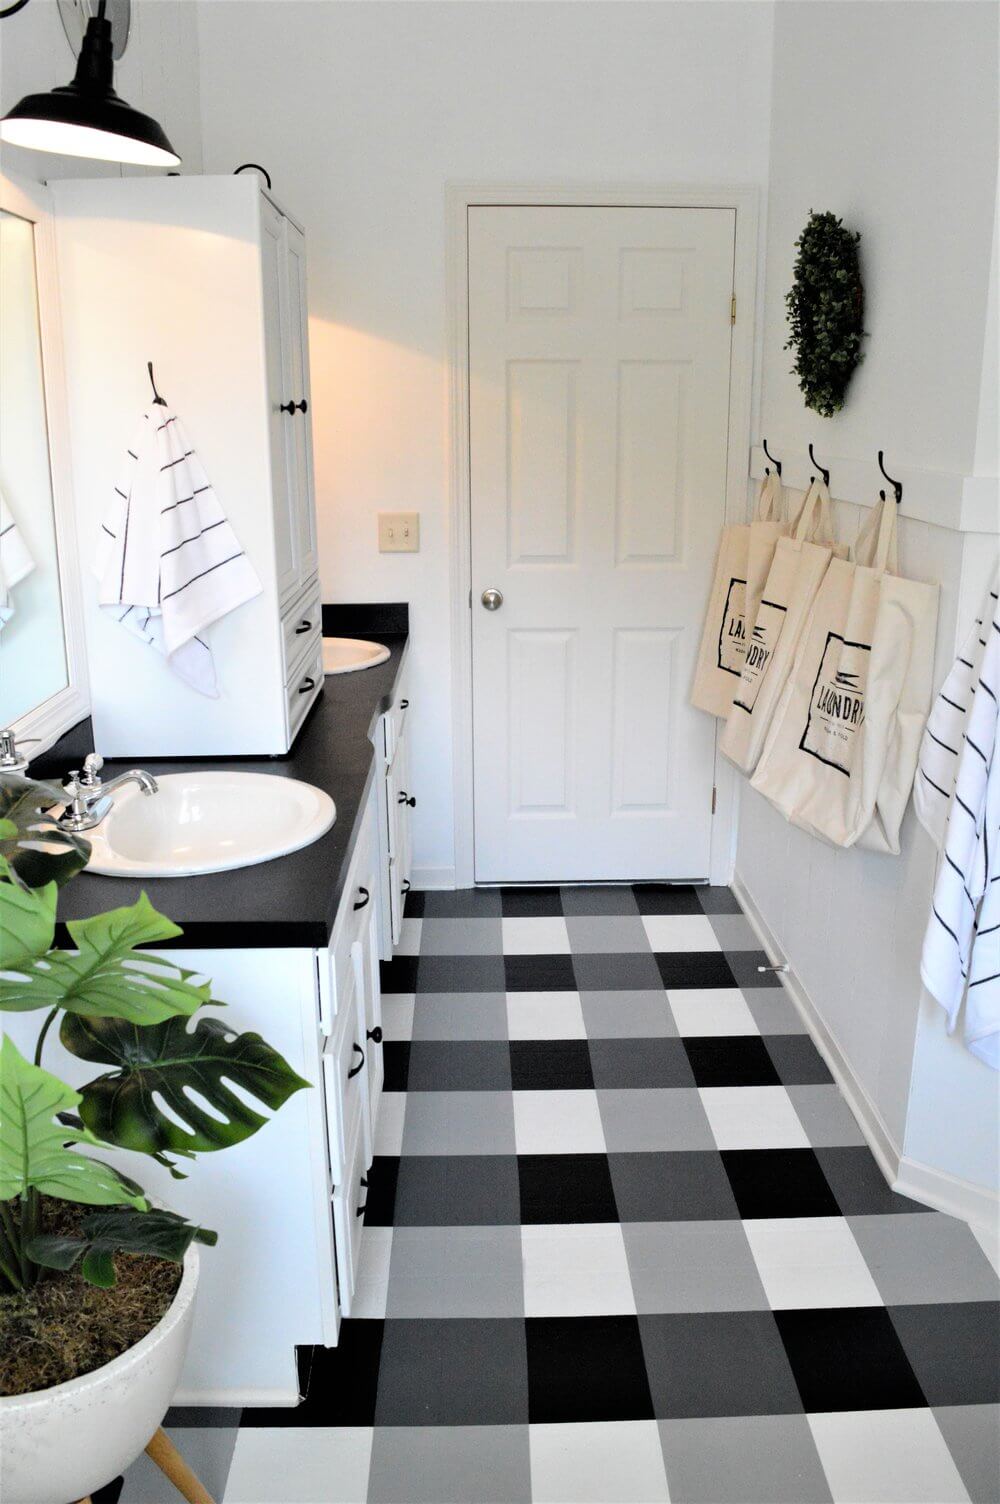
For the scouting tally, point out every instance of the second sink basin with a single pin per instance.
(207, 822)
(345, 655)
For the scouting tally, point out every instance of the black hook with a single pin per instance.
(774, 462)
(257, 168)
(897, 485)
(825, 473)
(158, 401)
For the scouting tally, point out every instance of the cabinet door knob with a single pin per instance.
(293, 407)
(375, 1035)
(365, 895)
(360, 1065)
(409, 799)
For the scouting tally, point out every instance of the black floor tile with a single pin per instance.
(550, 1065)
(399, 974)
(797, 1060)
(380, 1203)
(459, 1065)
(859, 1185)
(455, 1372)
(531, 903)
(339, 1383)
(538, 974)
(779, 1183)
(683, 1186)
(442, 1190)
(396, 1059)
(694, 968)
(717, 1363)
(586, 1368)
(565, 1188)
(737, 1060)
(954, 1350)
(848, 1358)
(666, 898)
(413, 904)
(637, 1063)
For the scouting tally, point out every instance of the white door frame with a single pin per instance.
(460, 197)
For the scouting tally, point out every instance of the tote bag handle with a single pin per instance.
(875, 546)
(815, 521)
(771, 500)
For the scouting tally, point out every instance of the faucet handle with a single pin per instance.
(92, 765)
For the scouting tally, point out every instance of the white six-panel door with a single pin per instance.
(599, 368)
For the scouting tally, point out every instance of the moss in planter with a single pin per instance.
(65, 1327)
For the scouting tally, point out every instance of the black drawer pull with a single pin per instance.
(376, 1034)
(361, 1210)
(306, 686)
(405, 798)
(365, 895)
(360, 1065)
(304, 626)
(403, 704)
(404, 886)
(294, 407)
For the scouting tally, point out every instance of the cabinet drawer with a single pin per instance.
(301, 625)
(303, 688)
(348, 1222)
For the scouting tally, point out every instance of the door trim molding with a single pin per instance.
(459, 198)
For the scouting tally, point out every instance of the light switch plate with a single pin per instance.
(399, 532)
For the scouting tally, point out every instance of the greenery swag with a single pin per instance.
(826, 312)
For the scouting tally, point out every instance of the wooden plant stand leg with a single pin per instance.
(162, 1451)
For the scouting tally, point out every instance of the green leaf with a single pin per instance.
(33, 1152)
(104, 978)
(169, 1060)
(54, 855)
(151, 1234)
(27, 919)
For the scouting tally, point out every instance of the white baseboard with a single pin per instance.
(936, 1188)
(425, 878)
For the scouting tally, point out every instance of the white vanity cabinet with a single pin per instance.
(206, 278)
(396, 799)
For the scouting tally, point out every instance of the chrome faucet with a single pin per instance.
(88, 799)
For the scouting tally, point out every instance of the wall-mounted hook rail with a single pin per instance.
(824, 472)
(158, 401)
(774, 462)
(897, 485)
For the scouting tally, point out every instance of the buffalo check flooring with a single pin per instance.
(624, 1241)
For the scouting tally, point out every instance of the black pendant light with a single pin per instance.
(86, 118)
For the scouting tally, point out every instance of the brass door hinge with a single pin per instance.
(732, 310)
(715, 794)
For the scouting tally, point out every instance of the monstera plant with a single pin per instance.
(131, 1013)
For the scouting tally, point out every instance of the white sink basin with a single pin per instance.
(207, 822)
(345, 655)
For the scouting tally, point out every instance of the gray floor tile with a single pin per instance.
(692, 1266)
(455, 1271)
(733, 932)
(953, 1349)
(453, 1373)
(973, 1436)
(859, 1185)
(459, 1065)
(825, 1116)
(459, 1122)
(773, 1010)
(628, 1015)
(637, 1063)
(604, 973)
(598, 900)
(461, 937)
(450, 1465)
(745, 964)
(667, 1119)
(677, 1186)
(797, 1060)
(460, 1015)
(207, 1449)
(743, 1459)
(933, 1259)
(440, 1190)
(610, 933)
(460, 973)
(717, 900)
(722, 1363)
(462, 903)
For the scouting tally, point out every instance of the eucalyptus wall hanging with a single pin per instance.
(826, 312)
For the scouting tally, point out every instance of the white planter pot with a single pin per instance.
(63, 1443)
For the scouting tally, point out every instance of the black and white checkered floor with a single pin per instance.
(624, 1241)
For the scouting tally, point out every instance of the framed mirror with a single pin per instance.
(43, 688)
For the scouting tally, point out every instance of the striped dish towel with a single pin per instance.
(16, 562)
(168, 563)
(958, 802)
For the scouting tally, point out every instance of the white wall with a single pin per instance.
(362, 113)
(158, 75)
(887, 114)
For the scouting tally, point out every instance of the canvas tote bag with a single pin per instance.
(741, 567)
(841, 753)
(797, 569)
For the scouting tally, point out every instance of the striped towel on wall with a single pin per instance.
(168, 563)
(957, 800)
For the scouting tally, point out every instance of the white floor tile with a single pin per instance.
(300, 1465)
(409, 939)
(886, 1457)
(373, 1274)
(389, 1125)
(753, 1117)
(711, 1010)
(557, 1122)
(609, 1462)
(535, 937)
(397, 1016)
(545, 1015)
(668, 932)
(576, 1269)
(808, 1262)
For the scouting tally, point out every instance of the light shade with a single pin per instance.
(86, 118)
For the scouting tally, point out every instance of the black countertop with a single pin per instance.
(293, 900)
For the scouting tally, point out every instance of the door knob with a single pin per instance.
(492, 599)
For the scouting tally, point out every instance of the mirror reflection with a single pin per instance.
(32, 646)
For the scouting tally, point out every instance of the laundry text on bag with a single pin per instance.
(837, 703)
